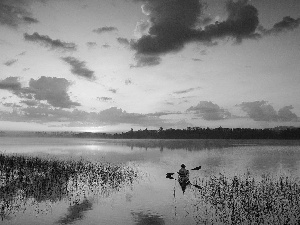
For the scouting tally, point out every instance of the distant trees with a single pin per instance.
(208, 133)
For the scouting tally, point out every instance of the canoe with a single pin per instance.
(183, 180)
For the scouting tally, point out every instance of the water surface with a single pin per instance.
(151, 199)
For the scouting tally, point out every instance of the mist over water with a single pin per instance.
(151, 198)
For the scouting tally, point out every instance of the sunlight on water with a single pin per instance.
(75, 191)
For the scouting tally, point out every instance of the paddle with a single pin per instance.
(170, 176)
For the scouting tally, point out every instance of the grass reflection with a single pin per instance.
(244, 200)
(27, 181)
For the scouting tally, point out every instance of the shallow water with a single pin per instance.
(151, 199)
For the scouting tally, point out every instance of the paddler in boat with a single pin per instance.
(183, 174)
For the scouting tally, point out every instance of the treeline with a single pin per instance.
(200, 133)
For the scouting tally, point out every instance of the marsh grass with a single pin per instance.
(245, 200)
(27, 181)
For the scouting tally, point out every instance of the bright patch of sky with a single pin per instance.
(112, 65)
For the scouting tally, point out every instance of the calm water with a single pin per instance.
(151, 199)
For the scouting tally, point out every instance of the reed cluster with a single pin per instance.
(25, 180)
(245, 200)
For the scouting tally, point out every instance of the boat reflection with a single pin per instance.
(141, 218)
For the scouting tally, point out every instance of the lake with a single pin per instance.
(150, 198)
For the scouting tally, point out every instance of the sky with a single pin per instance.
(113, 65)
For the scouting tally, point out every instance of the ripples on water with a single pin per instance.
(90, 181)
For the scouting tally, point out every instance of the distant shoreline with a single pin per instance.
(282, 133)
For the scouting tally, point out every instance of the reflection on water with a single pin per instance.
(75, 181)
(27, 180)
(76, 212)
(140, 218)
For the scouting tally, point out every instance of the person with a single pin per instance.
(183, 171)
(183, 177)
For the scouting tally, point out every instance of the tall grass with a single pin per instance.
(245, 200)
(32, 180)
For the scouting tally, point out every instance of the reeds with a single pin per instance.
(244, 200)
(24, 180)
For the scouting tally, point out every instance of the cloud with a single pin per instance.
(262, 111)
(10, 83)
(128, 82)
(50, 43)
(113, 90)
(259, 111)
(173, 24)
(196, 59)
(30, 19)
(106, 46)
(287, 24)
(101, 30)
(30, 102)
(285, 114)
(10, 62)
(209, 111)
(15, 13)
(78, 68)
(123, 41)
(146, 60)
(104, 99)
(51, 89)
(43, 113)
(91, 44)
(186, 90)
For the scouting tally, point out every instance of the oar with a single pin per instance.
(170, 176)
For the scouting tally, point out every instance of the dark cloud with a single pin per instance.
(14, 13)
(262, 111)
(30, 19)
(78, 67)
(50, 43)
(287, 24)
(51, 89)
(101, 30)
(10, 83)
(209, 111)
(104, 99)
(123, 41)
(146, 60)
(186, 90)
(10, 62)
(172, 24)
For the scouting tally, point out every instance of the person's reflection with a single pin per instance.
(140, 218)
(76, 212)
